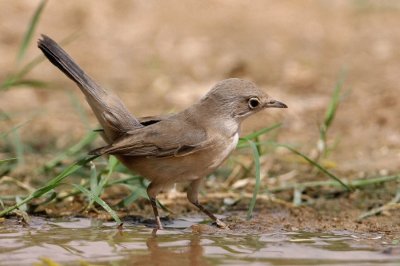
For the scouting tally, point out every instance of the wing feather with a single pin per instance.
(162, 139)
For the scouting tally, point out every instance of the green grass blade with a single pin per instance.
(136, 194)
(382, 208)
(357, 183)
(8, 82)
(18, 146)
(126, 180)
(243, 144)
(16, 206)
(99, 201)
(333, 104)
(97, 184)
(88, 139)
(7, 160)
(30, 83)
(317, 165)
(14, 79)
(29, 33)
(93, 183)
(258, 178)
(112, 164)
(53, 183)
(49, 197)
(330, 114)
(14, 128)
(260, 132)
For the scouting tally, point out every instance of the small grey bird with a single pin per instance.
(182, 147)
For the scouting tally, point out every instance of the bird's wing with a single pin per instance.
(162, 139)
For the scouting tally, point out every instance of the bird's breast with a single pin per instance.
(223, 149)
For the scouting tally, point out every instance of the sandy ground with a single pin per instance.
(162, 56)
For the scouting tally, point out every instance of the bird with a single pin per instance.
(174, 148)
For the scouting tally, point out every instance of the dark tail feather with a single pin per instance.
(109, 109)
(67, 65)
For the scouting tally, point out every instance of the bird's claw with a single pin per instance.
(221, 224)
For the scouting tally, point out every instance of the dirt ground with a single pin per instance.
(162, 56)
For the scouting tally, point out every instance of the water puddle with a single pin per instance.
(79, 241)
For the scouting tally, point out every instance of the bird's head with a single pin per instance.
(239, 99)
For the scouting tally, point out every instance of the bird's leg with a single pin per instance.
(153, 202)
(192, 193)
(152, 191)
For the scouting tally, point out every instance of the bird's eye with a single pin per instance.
(254, 103)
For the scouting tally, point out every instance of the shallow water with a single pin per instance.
(76, 241)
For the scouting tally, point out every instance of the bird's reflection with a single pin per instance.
(159, 254)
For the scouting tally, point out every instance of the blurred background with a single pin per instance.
(161, 56)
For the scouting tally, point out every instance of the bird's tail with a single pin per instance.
(109, 109)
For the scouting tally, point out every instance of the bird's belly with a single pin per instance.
(182, 168)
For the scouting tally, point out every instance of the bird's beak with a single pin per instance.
(275, 104)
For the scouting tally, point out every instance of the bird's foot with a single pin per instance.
(221, 224)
